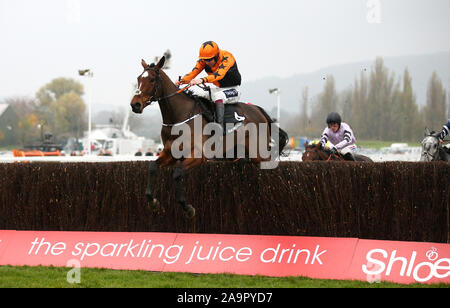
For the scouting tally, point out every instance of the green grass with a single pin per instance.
(55, 277)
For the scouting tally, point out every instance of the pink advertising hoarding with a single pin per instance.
(314, 257)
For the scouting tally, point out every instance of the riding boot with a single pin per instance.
(220, 112)
(349, 156)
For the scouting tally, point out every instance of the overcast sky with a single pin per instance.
(45, 39)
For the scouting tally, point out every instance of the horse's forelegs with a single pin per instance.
(179, 191)
(152, 172)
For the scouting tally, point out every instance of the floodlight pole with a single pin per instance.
(90, 74)
(277, 92)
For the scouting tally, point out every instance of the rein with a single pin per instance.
(175, 93)
(152, 96)
(436, 156)
(153, 99)
(338, 156)
(315, 153)
(311, 151)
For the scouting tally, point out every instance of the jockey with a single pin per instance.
(340, 135)
(445, 130)
(222, 71)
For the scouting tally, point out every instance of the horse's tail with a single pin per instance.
(283, 136)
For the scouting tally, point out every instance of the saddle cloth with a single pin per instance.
(232, 114)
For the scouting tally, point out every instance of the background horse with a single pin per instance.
(432, 150)
(315, 152)
(179, 109)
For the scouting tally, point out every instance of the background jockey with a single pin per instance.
(338, 137)
(445, 130)
(222, 71)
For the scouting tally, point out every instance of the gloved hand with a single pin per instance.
(179, 82)
(334, 151)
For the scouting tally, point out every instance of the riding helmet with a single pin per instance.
(208, 50)
(334, 117)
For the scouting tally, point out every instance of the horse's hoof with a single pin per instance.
(189, 210)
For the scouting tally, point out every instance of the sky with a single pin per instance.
(44, 39)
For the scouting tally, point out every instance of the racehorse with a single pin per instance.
(432, 150)
(180, 109)
(315, 152)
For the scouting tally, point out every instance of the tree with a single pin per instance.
(304, 111)
(359, 118)
(61, 107)
(326, 103)
(70, 117)
(28, 129)
(346, 99)
(379, 107)
(57, 88)
(328, 99)
(434, 112)
(379, 100)
(408, 112)
(24, 108)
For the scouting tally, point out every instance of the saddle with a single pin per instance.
(446, 148)
(208, 109)
(444, 152)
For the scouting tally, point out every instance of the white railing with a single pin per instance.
(377, 157)
(77, 159)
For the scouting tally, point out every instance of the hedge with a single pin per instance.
(388, 201)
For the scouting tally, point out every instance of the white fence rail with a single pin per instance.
(412, 155)
(77, 159)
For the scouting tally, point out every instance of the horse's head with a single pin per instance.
(312, 152)
(148, 86)
(430, 146)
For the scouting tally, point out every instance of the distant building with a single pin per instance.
(8, 125)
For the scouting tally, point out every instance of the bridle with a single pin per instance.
(429, 156)
(155, 91)
(152, 98)
(315, 151)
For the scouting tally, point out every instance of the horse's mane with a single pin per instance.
(150, 66)
(313, 145)
(195, 97)
(205, 104)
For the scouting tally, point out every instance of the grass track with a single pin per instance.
(55, 277)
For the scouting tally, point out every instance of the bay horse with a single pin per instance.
(315, 152)
(179, 109)
(432, 150)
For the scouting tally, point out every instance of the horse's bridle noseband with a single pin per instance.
(151, 96)
(155, 91)
(312, 150)
(428, 155)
